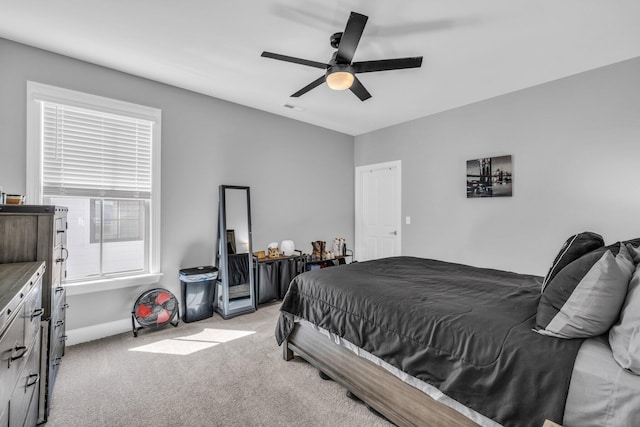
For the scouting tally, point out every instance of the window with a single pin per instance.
(100, 158)
(123, 220)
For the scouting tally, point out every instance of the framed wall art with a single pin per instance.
(490, 177)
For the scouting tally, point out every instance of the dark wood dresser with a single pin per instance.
(39, 233)
(20, 330)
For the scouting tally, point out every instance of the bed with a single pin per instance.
(427, 342)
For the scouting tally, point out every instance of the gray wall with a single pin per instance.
(301, 176)
(576, 150)
(575, 144)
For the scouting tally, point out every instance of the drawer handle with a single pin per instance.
(59, 289)
(63, 338)
(37, 313)
(65, 306)
(57, 361)
(64, 257)
(59, 323)
(32, 380)
(21, 350)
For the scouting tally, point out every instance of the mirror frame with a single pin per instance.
(225, 307)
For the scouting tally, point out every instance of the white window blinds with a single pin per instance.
(93, 153)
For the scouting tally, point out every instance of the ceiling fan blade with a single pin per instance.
(295, 60)
(351, 38)
(360, 90)
(310, 86)
(387, 64)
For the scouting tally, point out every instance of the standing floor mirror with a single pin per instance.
(235, 290)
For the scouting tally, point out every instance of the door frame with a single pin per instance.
(359, 208)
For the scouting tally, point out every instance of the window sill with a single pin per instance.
(79, 288)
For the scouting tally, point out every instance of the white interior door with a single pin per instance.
(378, 211)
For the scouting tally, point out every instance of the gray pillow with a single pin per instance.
(624, 336)
(584, 299)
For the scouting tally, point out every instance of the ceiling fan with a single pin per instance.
(340, 71)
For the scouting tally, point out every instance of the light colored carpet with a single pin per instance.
(234, 382)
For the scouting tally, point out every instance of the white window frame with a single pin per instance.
(37, 92)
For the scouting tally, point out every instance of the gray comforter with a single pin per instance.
(465, 330)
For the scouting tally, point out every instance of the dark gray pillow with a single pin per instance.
(633, 242)
(572, 249)
(634, 249)
(584, 299)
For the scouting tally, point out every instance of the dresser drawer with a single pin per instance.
(58, 265)
(33, 311)
(12, 353)
(58, 335)
(56, 272)
(58, 326)
(9, 310)
(58, 299)
(60, 229)
(54, 365)
(23, 404)
(58, 338)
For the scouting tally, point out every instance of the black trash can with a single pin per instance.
(198, 289)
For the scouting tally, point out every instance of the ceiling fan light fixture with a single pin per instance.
(340, 78)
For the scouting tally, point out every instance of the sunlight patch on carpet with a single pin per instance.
(217, 335)
(191, 343)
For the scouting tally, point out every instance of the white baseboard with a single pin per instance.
(102, 330)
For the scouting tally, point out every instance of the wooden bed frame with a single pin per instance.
(400, 403)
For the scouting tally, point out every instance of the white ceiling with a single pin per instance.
(472, 49)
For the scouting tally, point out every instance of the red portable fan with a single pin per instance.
(155, 308)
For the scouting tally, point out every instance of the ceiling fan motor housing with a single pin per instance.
(335, 39)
